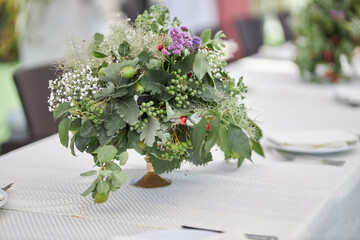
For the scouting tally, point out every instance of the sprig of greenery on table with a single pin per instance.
(327, 30)
(124, 91)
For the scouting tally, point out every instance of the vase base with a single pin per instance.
(150, 180)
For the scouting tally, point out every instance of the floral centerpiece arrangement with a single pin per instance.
(153, 87)
(329, 33)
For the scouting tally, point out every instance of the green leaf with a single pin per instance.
(164, 166)
(81, 142)
(75, 125)
(118, 178)
(153, 81)
(198, 135)
(88, 173)
(119, 93)
(93, 145)
(103, 188)
(91, 188)
(149, 132)
(99, 54)
(186, 64)
(113, 122)
(205, 36)
(144, 57)
(213, 135)
(169, 112)
(128, 110)
(88, 129)
(124, 156)
(72, 143)
(106, 153)
(239, 141)
(200, 159)
(256, 146)
(201, 65)
(64, 126)
(124, 49)
(112, 74)
(102, 136)
(106, 92)
(112, 166)
(61, 110)
(98, 38)
(240, 161)
(224, 142)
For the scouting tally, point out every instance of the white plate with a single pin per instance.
(297, 149)
(348, 95)
(3, 198)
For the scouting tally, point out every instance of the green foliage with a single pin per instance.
(174, 108)
(326, 30)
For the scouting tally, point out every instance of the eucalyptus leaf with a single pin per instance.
(72, 144)
(91, 188)
(239, 141)
(98, 38)
(201, 65)
(118, 178)
(124, 156)
(61, 109)
(240, 161)
(103, 188)
(75, 125)
(81, 143)
(106, 153)
(256, 146)
(64, 126)
(88, 173)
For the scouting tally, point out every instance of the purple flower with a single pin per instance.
(165, 52)
(178, 52)
(184, 28)
(337, 14)
(196, 42)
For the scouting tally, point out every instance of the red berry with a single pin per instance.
(189, 74)
(208, 126)
(182, 120)
(160, 47)
(333, 40)
(327, 55)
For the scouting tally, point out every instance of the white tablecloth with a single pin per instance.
(290, 200)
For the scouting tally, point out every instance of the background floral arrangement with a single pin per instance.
(8, 13)
(155, 88)
(327, 30)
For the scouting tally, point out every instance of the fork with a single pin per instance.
(294, 157)
(7, 187)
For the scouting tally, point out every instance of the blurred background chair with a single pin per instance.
(250, 30)
(284, 18)
(32, 85)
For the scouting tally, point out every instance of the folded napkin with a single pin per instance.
(347, 94)
(318, 139)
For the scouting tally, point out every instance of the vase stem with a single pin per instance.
(150, 179)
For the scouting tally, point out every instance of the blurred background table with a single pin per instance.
(289, 200)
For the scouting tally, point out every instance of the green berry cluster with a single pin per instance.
(140, 124)
(151, 110)
(176, 150)
(183, 87)
(91, 109)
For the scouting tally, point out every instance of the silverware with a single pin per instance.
(296, 156)
(248, 236)
(7, 187)
(260, 237)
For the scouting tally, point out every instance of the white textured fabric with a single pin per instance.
(290, 200)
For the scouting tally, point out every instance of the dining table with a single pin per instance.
(266, 198)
